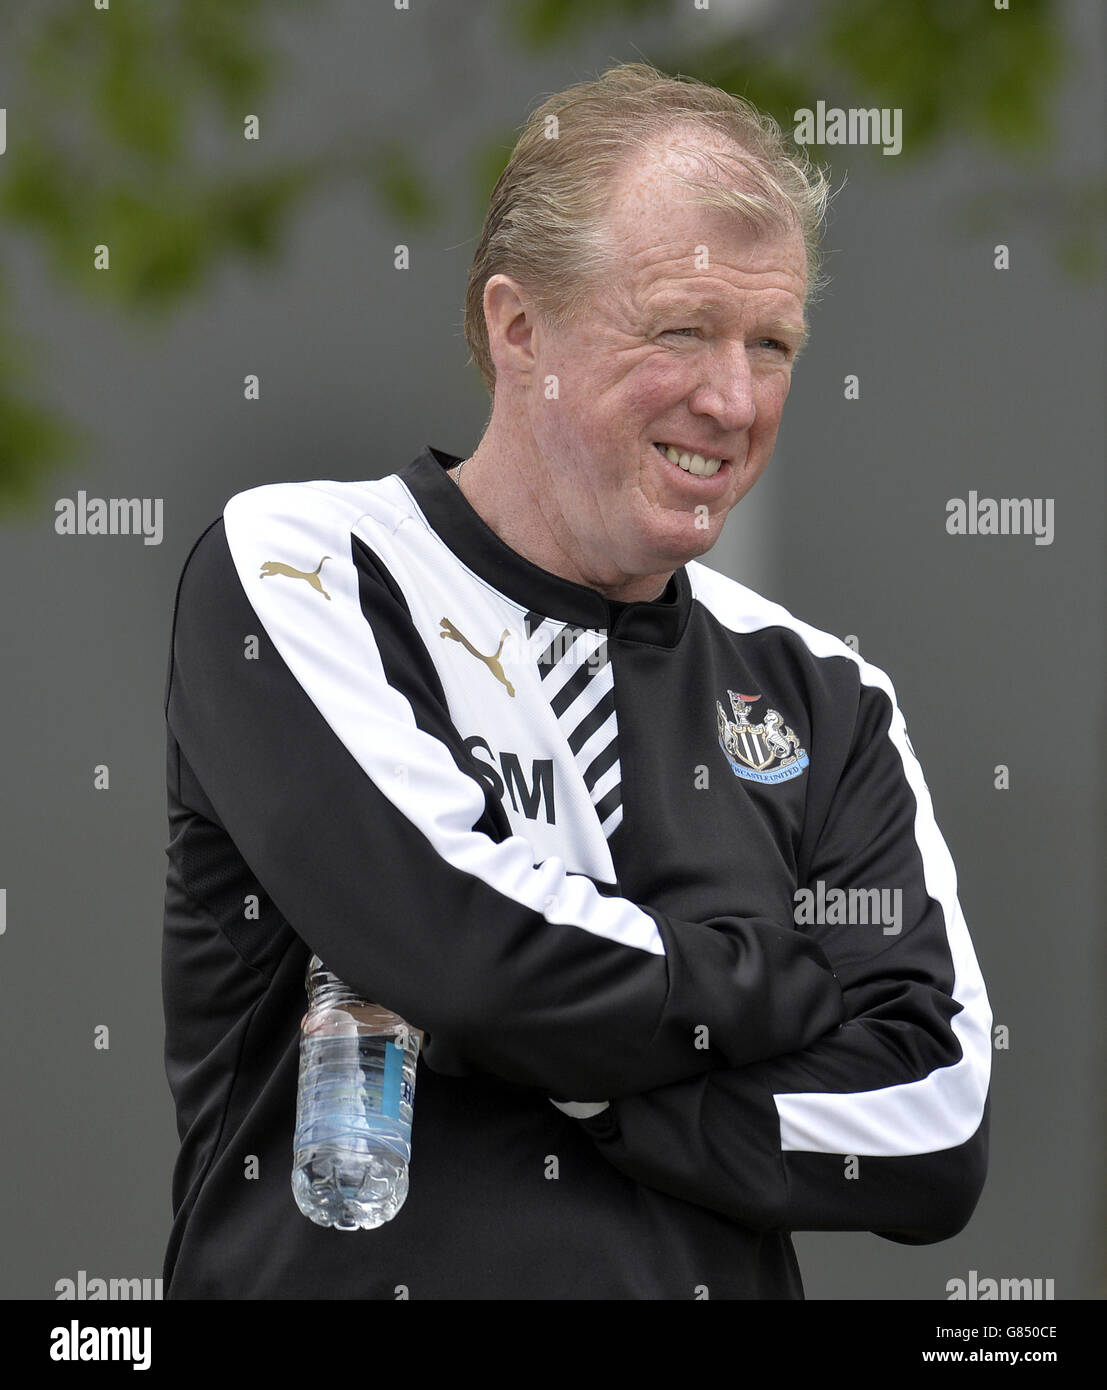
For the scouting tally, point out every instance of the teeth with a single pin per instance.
(691, 463)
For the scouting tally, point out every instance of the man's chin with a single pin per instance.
(676, 547)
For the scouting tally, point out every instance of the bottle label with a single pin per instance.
(393, 1079)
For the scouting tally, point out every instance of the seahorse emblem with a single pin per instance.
(783, 744)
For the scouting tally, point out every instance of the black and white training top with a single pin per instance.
(672, 864)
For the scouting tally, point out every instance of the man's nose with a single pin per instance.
(725, 390)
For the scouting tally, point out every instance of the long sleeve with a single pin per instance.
(311, 726)
(882, 1124)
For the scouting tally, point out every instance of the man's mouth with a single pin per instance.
(696, 464)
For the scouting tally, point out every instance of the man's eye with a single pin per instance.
(775, 344)
(680, 332)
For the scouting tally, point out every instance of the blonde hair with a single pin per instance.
(544, 221)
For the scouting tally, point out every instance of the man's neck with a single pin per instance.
(502, 489)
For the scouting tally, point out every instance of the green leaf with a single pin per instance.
(400, 187)
(32, 439)
(540, 23)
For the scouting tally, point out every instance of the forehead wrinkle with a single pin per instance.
(671, 298)
(676, 278)
(662, 262)
(771, 253)
(656, 179)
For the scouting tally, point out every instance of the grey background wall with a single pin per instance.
(969, 378)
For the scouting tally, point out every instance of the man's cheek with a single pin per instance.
(779, 388)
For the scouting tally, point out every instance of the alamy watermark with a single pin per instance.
(864, 907)
(568, 648)
(1001, 516)
(77, 1343)
(978, 1286)
(110, 516)
(856, 125)
(93, 1288)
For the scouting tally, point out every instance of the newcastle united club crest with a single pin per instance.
(765, 752)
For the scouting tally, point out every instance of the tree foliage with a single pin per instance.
(106, 147)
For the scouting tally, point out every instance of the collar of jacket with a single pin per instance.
(659, 622)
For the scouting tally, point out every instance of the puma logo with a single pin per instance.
(492, 662)
(279, 567)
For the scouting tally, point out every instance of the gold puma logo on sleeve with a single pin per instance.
(492, 662)
(279, 567)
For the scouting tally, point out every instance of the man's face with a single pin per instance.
(688, 345)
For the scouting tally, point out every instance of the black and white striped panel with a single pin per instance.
(580, 685)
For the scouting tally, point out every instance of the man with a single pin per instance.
(614, 831)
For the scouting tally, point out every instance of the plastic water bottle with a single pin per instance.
(353, 1107)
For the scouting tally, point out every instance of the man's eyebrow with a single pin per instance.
(676, 305)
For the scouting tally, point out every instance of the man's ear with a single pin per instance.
(510, 316)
